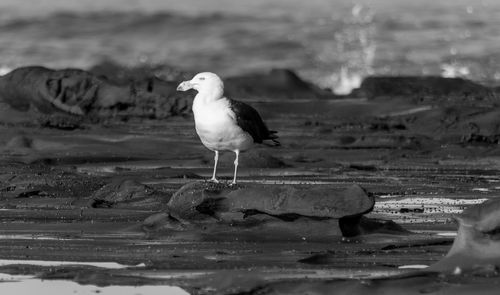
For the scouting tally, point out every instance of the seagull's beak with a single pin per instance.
(184, 86)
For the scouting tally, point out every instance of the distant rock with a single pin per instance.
(277, 84)
(427, 89)
(83, 94)
(457, 124)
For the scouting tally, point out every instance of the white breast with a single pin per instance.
(216, 126)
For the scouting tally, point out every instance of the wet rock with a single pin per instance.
(277, 84)
(478, 239)
(189, 202)
(127, 193)
(427, 89)
(305, 200)
(456, 124)
(81, 93)
(260, 212)
(208, 199)
(71, 91)
(161, 221)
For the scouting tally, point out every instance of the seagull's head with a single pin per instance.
(203, 83)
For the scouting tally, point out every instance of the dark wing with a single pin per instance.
(250, 121)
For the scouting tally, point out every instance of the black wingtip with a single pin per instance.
(273, 137)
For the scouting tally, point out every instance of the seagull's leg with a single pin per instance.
(216, 159)
(237, 152)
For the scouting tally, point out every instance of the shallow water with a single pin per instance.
(25, 285)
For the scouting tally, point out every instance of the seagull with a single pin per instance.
(224, 124)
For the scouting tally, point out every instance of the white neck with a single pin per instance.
(209, 95)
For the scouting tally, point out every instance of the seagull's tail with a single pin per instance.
(273, 137)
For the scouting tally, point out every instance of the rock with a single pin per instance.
(83, 94)
(261, 212)
(70, 91)
(161, 221)
(478, 239)
(127, 193)
(187, 203)
(305, 200)
(277, 84)
(465, 124)
(200, 200)
(427, 89)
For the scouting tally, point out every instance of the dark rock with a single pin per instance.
(464, 124)
(70, 91)
(305, 200)
(184, 203)
(127, 193)
(260, 212)
(430, 89)
(80, 93)
(278, 84)
(200, 200)
(161, 221)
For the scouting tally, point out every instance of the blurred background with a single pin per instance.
(333, 43)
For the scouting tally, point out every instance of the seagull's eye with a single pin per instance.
(202, 78)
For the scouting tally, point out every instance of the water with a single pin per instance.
(333, 43)
(25, 285)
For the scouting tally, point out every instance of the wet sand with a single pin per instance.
(55, 184)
